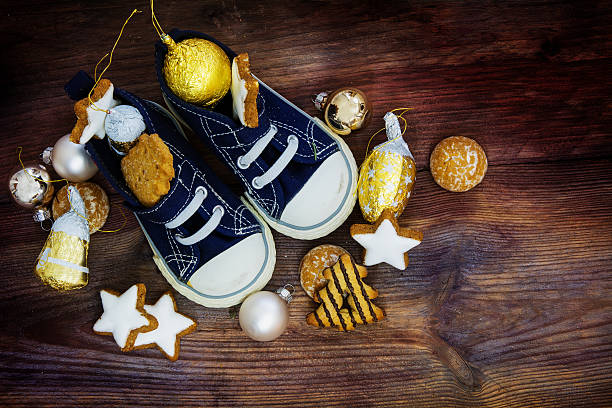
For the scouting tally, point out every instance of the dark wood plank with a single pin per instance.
(505, 303)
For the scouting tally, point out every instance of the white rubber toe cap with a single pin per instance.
(231, 270)
(321, 196)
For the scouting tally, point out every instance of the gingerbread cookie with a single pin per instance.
(314, 263)
(345, 278)
(244, 92)
(90, 118)
(386, 241)
(458, 163)
(172, 326)
(148, 169)
(124, 316)
(96, 204)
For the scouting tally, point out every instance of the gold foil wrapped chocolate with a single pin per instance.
(387, 176)
(197, 70)
(344, 110)
(62, 263)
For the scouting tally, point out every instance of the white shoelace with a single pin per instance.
(187, 212)
(245, 161)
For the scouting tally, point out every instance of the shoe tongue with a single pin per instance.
(235, 129)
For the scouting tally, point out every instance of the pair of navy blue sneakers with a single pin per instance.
(213, 247)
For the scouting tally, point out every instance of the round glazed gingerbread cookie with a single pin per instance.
(96, 204)
(314, 263)
(458, 163)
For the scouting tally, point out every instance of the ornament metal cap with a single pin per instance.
(41, 214)
(285, 293)
(45, 156)
(320, 99)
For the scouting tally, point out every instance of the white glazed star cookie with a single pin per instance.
(244, 92)
(386, 241)
(124, 316)
(90, 119)
(172, 326)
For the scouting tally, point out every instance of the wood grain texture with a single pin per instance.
(506, 303)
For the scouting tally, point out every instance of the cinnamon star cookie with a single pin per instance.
(124, 317)
(386, 241)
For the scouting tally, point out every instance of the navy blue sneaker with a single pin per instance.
(208, 244)
(297, 174)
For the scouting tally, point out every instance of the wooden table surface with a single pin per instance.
(507, 302)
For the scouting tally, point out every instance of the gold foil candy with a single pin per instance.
(387, 176)
(62, 263)
(197, 70)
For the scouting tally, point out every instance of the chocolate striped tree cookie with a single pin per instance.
(345, 278)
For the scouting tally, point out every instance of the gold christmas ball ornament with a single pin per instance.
(387, 176)
(344, 110)
(197, 70)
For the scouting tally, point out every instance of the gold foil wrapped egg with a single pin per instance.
(344, 110)
(62, 263)
(387, 175)
(197, 70)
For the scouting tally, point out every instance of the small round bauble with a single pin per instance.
(458, 163)
(71, 161)
(264, 316)
(197, 70)
(96, 204)
(344, 110)
(123, 125)
(30, 186)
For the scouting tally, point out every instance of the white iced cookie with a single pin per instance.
(386, 241)
(123, 125)
(124, 316)
(172, 326)
(244, 92)
(91, 116)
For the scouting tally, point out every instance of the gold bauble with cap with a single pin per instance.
(197, 70)
(344, 110)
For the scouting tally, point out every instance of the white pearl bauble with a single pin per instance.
(264, 316)
(71, 161)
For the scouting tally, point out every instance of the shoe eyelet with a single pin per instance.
(177, 237)
(292, 138)
(219, 208)
(255, 183)
(241, 164)
(202, 190)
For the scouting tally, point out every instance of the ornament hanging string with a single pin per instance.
(20, 149)
(158, 28)
(110, 60)
(400, 116)
(166, 39)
